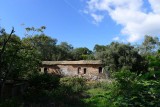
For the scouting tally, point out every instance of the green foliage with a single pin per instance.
(69, 92)
(10, 103)
(33, 29)
(41, 87)
(97, 84)
(82, 54)
(127, 90)
(63, 52)
(149, 46)
(97, 98)
(43, 81)
(18, 58)
(74, 84)
(119, 56)
(99, 48)
(21, 59)
(49, 50)
(9, 54)
(44, 88)
(97, 94)
(43, 44)
(154, 65)
(130, 90)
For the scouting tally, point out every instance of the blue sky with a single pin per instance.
(84, 23)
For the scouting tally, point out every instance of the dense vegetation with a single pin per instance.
(134, 72)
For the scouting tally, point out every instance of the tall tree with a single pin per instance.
(99, 48)
(63, 51)
(4, 39)
(45, 45)
(149, 46)
(119, 56)
(82, 53)
(17, 59)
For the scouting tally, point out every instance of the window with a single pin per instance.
(79, 69)
(85, 70)
(45, 70)
(100, 70)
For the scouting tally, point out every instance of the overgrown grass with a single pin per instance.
(126, 90)
(97, 98)
(97, 92)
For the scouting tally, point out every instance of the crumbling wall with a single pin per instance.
(89, 71)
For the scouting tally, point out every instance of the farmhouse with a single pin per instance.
(91, 69)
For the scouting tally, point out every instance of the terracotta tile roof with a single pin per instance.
(95, 62)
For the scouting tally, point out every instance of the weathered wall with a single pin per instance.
(75, 70)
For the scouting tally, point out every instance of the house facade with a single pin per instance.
(92, 69)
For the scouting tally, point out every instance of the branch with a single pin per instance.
(5, 43)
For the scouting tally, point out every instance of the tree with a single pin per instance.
(45, 45)
(100, 52)
(82, 53)
(4, 39)
(99, 48)
(63, 51)
(149, 46)
(149, 49)
(17, 59)
(117, 56)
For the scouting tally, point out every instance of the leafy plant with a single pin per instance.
(73, 84)
(41, 87)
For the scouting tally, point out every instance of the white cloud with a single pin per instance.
(116, 38)
(155, 4)
(130, 14)
(97, 18)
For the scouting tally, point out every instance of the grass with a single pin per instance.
(96, 91)
(97, 98)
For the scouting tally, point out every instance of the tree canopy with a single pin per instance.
(117, 56)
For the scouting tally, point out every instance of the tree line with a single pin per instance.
(23, 56)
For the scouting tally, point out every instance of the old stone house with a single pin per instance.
(92, 69)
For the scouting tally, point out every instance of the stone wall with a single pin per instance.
(84, 70)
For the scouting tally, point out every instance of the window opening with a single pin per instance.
(45, 70)
(85, 70)
(100, 70)
(79, 69)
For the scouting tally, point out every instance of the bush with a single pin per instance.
(69, 91)
(131, 90)
(41, 87)
(43, 81)
(73, 84)
(127, 90)
(10, 103)
(97, 98)
(46, 89)
(98, 84)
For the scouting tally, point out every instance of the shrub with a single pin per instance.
(73, 84)
(69, 92)
(127, 90)
(98, 84)
(43, 81)
(10, 103)
(130, 90)
(41, 87)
